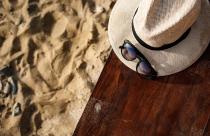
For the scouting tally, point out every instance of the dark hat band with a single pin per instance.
(166, 46)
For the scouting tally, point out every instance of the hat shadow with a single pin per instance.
(191, 75)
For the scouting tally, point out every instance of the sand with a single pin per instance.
(54, 52)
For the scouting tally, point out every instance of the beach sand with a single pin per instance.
(54, 52)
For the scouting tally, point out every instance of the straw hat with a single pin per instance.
(172, 34)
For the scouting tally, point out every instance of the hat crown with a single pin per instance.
(160, 22)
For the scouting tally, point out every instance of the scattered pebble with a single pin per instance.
(6, 89)
(16, 109)
(13, 85)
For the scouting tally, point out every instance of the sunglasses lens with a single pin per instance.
(144, 68)
(129, 52)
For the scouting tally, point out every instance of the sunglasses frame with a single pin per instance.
(141, 58)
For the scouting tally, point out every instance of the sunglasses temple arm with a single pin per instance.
(121, 47)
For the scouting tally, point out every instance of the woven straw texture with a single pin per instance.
(164, 30)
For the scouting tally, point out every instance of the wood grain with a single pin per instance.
(125, 104)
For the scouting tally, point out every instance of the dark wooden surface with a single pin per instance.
(125, 104)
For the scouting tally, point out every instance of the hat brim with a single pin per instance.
(165, 62)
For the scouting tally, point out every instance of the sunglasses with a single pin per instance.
(130, 53)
